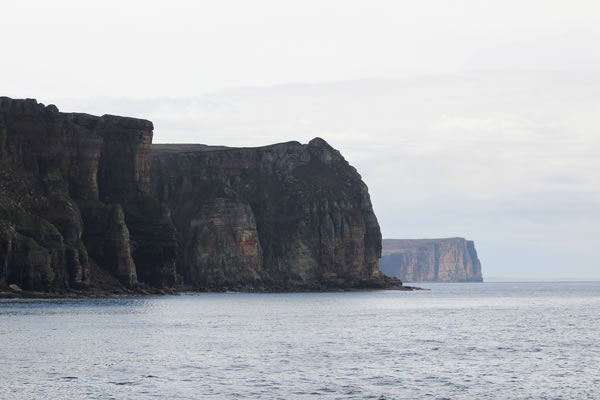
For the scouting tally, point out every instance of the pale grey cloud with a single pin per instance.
(177, 48)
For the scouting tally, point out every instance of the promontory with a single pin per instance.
(431, 260)
(89, 205)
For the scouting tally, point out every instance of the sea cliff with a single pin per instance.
(431, 260)
(89, 205)
(286, 216)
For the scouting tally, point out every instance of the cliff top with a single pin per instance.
(32, 106)
(175, 148)
(24, 106)
(391, 246)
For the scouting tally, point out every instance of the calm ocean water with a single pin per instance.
(456, 341)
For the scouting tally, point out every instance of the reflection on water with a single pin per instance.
(491, 340)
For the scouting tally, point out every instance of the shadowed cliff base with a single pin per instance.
(431, 260)
(89, 207)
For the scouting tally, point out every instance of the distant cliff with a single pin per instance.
(83, 208)
(431, 260)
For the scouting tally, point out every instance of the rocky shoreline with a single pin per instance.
(15, 292)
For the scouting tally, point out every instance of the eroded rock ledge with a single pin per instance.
(88, 205)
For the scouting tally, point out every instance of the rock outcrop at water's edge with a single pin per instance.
(284, 216)
(88, 205)
(431, 260)
(73, 188)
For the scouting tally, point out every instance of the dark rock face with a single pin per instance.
(431, 260)
(283, 216)
(83, 207)
(72, 188)
(124, 178)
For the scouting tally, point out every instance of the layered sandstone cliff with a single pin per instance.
(86, 202)
(73, 188)
(431, 260)
(285, 216)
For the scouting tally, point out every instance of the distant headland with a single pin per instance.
(431, 260)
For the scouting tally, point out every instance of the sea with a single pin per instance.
(511, 340)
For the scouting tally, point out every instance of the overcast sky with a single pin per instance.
(466, 118)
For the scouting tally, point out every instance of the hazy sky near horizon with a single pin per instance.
(466, 118)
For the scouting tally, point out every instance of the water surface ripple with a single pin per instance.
(456, 341)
